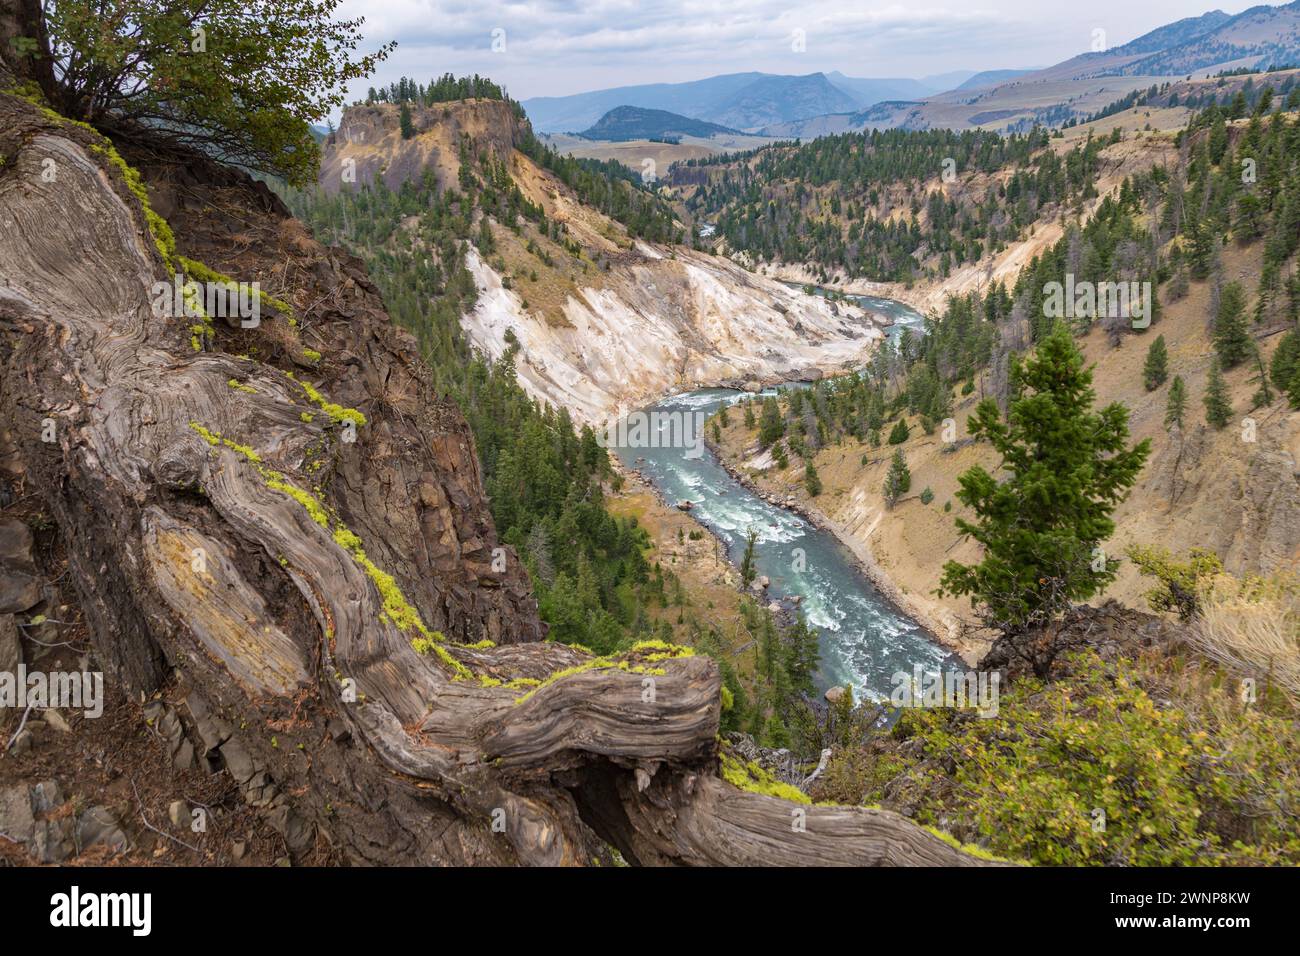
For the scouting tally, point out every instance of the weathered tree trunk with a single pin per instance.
(21, 20)
(231, 546)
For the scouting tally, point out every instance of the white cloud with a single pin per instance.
(554, 47)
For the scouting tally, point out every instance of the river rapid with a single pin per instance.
(864, 638)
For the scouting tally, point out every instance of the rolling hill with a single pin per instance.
(625, 123)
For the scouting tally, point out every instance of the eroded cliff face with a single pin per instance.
(607, 322)
(657, 325)
(369, 144)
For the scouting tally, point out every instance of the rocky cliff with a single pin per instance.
(606, 322)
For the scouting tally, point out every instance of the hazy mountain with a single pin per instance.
(635, 122)
(1172, 34)
(869, 91)
(779, 99)
(742, 100)
(991, 78)
(946, 81)
(695, 99)
(1258, 38)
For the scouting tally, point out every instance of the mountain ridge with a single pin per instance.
(624, 123)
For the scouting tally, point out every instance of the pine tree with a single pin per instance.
(1156, 369)
(1231, 338)
(803, 655)
(811, 481)
(1264, 394)
(748, 568)
(1218, 410)
(1286, 361)
(404, 120)
(898, 479)
(771, 425)
(1068, 467)
(899, 433)
(1176, 404)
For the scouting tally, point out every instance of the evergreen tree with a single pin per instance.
(1231, 338)
(811, 481)
(404, 121)
(1218, 410)
(803, 655)
(748, 568)
(899, 433)
(897, 480)
(1156, 369)
(1068, 467)
(771, 425)
(1176, 403)
(1264, 395)
(1286, 365)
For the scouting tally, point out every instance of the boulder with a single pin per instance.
(20, 587)
(11, 649)
(99, 826)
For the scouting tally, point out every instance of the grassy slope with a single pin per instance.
(912, 542)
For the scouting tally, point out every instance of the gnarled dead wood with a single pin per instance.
(224, 536)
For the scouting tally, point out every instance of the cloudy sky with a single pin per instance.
(555, 47)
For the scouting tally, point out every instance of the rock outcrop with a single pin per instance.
(606, 322)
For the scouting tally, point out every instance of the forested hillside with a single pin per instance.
(851, 202)
(543, 475)
(900, 460)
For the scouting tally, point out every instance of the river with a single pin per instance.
(864, 638)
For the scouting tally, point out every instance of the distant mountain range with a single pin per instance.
(1260, 38)
(741, 101)
(624, 123)
(818, 104)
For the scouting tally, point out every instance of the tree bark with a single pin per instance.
(22, 18)
(207, 501)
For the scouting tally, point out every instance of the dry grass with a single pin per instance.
(1252, 626)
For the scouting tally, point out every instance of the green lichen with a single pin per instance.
(337, 413)
(311, 355)
(970, 849)
(240, 386)
(599, 663)
(315, 510)
(205, 273)
(747, 775)
(164, 239)
(396, 609)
